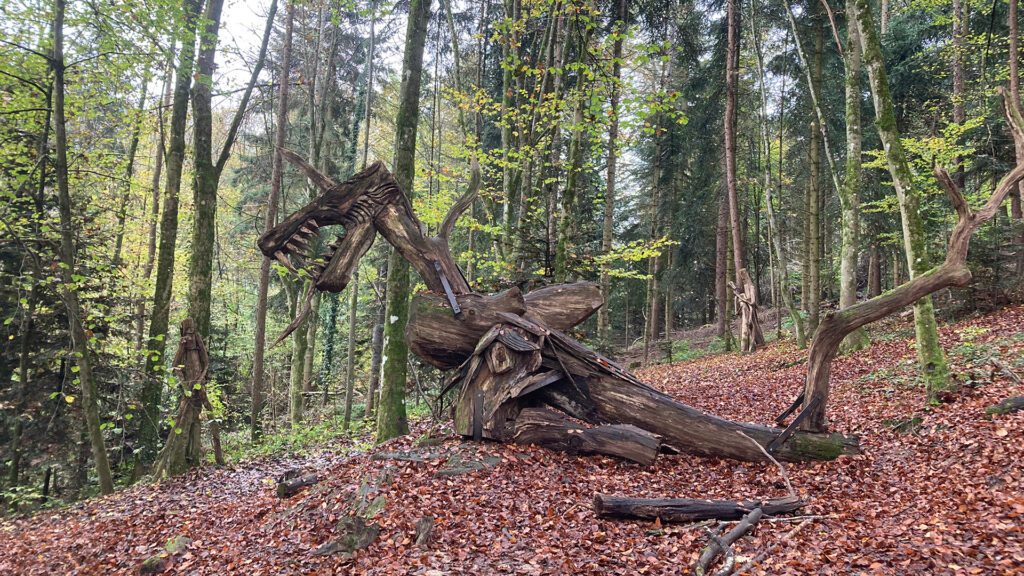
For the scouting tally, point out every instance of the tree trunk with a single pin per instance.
(774, 231)
(184, 444)
(129, 170)
(350, 364)
(1017, 199)
(750, 330)
(154, 211)
(687, 509)
(377, 342)
(930, 356)
(152, 385)
(722, 329)
(608, 227)
(556, 432)
(391, 420)
(277, 169)
(849, 194)
(874, 272)
(204, 189)
(814, 189)
(68, 293)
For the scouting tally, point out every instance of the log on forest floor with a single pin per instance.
(556, 432)
(290, 487)
(688, 509)
(1011, 404)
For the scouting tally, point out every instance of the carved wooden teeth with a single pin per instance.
(313, 224)
(306, 231)
(299, 240)
(292, 248)
(283, 259)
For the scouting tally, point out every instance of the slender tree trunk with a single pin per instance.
(392, 420)
(774, 231)
(959, 114)
(204, 185)
(377, 341)
(129, 171)
(874, 272)
(350, 365)
(277, 170)
(154, 211)
(814, 191)
(849, 194)
(152, 387)
(1017, 199)
(69, 294)
(721, 269)
(930, 356)
(608, 227)
(750, 331)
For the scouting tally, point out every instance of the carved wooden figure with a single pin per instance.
(520, 378)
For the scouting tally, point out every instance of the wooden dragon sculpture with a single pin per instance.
(512, 358)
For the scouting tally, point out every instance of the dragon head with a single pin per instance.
(352, 204)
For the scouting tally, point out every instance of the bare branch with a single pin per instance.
(956, 197)
(782, 470)
(319, 179)
(464, 202)
(835, 29)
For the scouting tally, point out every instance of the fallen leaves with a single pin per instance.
(943, 496)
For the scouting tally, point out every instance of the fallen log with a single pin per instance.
(688, 509)
(1011, 404)
(545, 428)
(290, 487)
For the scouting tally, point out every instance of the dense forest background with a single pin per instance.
(138, 164)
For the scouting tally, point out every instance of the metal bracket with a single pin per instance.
(792, 408)
(456, 309)
(781, 438)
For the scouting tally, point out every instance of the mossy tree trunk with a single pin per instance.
(68, 293)
(608, 225)
(152, 386)
(391, 419)
(270, 218)
(849, 194)
(930, 356)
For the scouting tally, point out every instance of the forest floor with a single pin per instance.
(938, 490)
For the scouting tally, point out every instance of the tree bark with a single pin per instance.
(1014, 58)
(687, 509)
(68, 293)
(391, 419)
(556, 432)
(608, 226)
(277, 169)
(722, 329)
(750, 330)
(152, 386)
(931, 358)
(849, 194)
(350, 363)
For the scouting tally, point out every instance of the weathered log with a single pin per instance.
(556, 432)
(1011, 404)
(687, 429)
(445, 340)
(564, 306)
(292, 486)
(688, 509)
